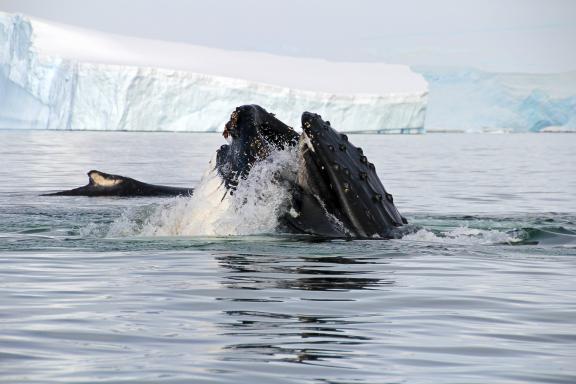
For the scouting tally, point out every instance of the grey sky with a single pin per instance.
(497, 35)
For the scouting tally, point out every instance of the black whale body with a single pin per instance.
(336, 192)
(104, 184)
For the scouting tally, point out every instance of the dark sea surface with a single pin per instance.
(482, 291)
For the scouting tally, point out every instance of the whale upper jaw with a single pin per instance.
(336, 176)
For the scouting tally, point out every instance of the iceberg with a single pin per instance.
(472, 100)
(55, 76)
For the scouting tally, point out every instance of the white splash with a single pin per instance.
(254, 208)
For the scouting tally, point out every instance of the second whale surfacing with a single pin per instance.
(334, 190)
(104, 184)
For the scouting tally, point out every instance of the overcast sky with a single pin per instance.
(496, 35)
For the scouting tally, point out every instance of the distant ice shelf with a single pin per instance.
(470, 100)
(56, 76)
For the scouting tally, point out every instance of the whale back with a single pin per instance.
(105, 184)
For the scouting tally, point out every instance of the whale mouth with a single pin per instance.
(336, 191)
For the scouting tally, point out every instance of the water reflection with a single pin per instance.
(312, 273)
(280, 321)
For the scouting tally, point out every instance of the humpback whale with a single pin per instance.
(335, 191)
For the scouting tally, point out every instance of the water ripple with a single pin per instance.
(467, 297)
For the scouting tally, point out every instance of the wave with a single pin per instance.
(464, 235)
(544, 230)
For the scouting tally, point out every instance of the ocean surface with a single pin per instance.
(482, 291)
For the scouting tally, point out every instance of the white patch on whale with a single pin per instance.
(99, 179)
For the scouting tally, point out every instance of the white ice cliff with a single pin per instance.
(475, 101)
(55, 76)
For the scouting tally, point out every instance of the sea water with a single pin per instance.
(113, 290)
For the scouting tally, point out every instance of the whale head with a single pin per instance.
(339, 193)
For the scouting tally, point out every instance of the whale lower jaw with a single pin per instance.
(105, 184)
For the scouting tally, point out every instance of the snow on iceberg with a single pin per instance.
(476, 101)
(55, 76)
